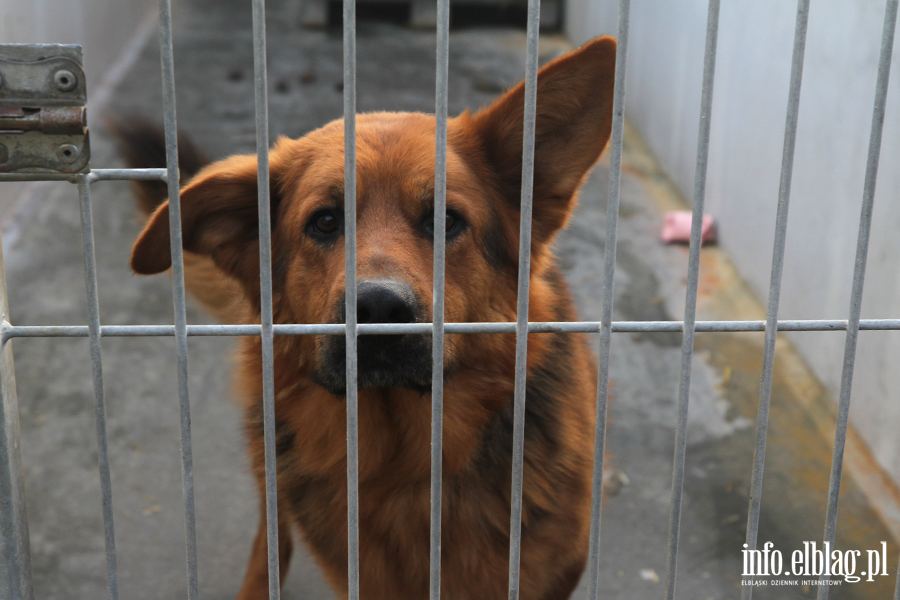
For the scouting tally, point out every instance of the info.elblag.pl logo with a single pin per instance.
(813, 562)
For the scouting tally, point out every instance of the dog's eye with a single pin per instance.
(325, 223)
(453, 225)
(451, 222)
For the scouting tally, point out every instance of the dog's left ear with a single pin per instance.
(219, 218)
(574, 118)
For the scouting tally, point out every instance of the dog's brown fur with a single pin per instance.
(395, 166)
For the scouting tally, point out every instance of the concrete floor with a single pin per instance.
(42, 246)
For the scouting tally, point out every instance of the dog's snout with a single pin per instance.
(385, 301)
(384, 361)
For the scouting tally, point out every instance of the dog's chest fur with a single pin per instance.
(394, 489)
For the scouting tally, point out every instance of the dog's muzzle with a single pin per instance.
(384, 361)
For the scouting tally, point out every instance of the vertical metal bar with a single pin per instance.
(90, 277)
(15, 551)
(690, 304)
(260, 78)
(609, 273)
(350, 297)
(172, 178)
(859, 274)
(531, 67)
(784, 195)
(437, 331)
(897, 585)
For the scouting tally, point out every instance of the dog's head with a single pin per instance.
(395, 208)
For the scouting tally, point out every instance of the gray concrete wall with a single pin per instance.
(753, 67)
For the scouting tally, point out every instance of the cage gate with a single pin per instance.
(15, 569)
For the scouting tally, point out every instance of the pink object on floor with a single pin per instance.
(677, 227)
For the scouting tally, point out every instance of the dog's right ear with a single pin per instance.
(219, 219)
(572, 127)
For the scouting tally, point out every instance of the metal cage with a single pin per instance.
(13, 523)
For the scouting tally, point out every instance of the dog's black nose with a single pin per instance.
(385, 301)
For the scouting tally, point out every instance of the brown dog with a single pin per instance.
(395, 168)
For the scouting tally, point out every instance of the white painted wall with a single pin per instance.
(105, 28)
(749, 105)
(102, 27)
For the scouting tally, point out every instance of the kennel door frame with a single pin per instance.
(13, 522)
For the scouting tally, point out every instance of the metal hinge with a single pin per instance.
(43, 125)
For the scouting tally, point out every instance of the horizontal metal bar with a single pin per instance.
(127, 174)
(19, 331)
(92, 176)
